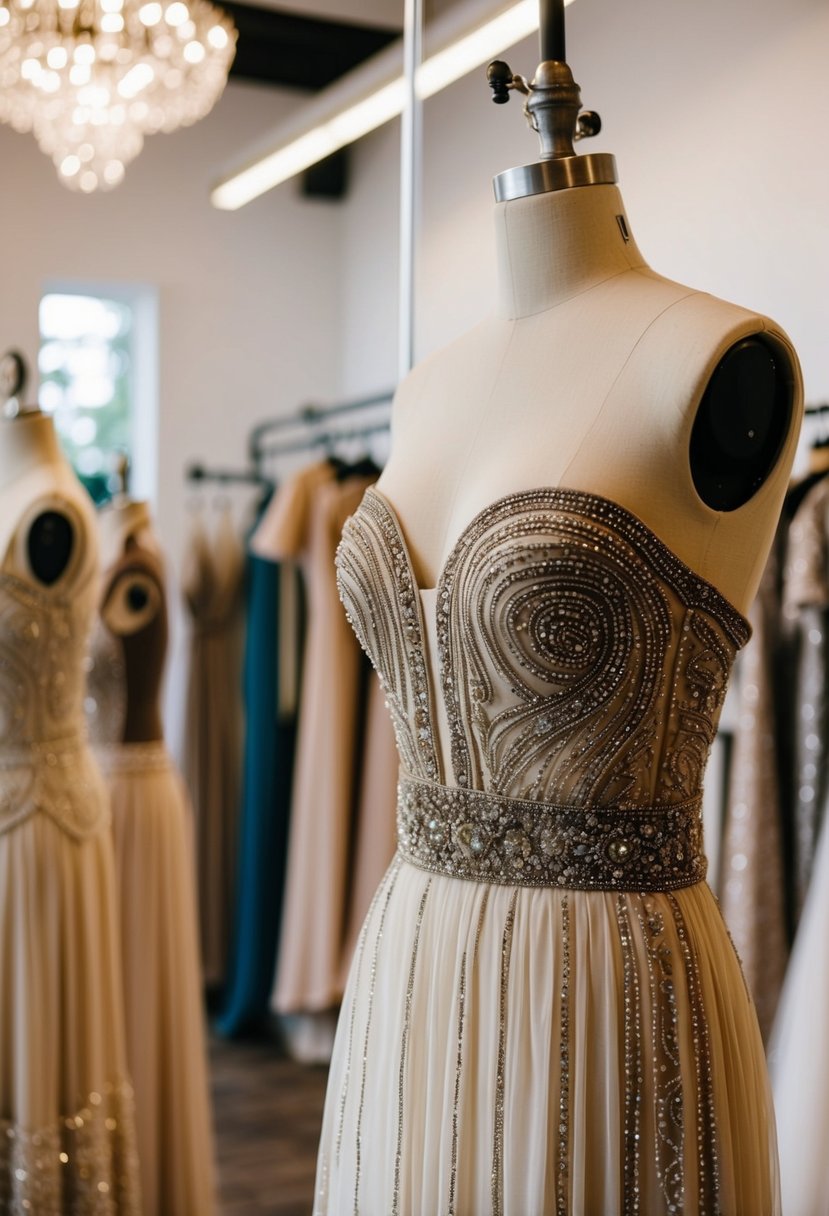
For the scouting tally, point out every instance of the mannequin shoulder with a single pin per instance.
(134, 593)
(48, 531)
(743, 398)
(449, 368)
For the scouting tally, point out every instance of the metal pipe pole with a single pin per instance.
(410, 166)
(551, 30)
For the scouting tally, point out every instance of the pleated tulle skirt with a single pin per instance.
(67, 1136)
(510, 1051)
(152, 829)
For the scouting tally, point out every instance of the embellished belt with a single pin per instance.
(488, 838)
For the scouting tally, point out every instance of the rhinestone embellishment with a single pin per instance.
(487, 838)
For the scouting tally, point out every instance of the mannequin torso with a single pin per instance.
(43, 507)
(590, 377)
(133, 611)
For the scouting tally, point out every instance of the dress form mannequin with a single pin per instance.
(66, 1107)
(134, 612)
(152, 832)
(122, 521)
(590, 376)
(31, 462)
(545, 552)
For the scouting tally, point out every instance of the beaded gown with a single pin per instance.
(545, 1013)
(67, 1135)
(153, 835)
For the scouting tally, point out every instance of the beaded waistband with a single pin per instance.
(487, 838)
(36, 751)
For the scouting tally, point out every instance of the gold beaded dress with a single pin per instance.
(545, 1013)
(67, 1135)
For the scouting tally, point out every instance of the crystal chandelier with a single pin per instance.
(91, 78)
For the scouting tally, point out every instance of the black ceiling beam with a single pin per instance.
(280, 48)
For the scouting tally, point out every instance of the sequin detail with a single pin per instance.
(378, 589)
(134, 757)
(45, 765)
(708, 1163)
(361, 947)
(580, 662)
(462, 990)
(634, 1070)
(58, 778)
(358, 1145)
(501, 1068)
(469, 834)
(563, 1180)
(84, 1166)
(668, 1112)
(404, 1048)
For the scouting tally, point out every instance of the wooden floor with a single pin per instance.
(267, 1111)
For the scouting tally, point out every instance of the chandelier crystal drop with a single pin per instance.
(91, 78)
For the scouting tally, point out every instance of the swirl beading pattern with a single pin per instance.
(581, 663)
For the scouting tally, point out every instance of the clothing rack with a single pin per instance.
(198, 472)
(324, 439)
(308, 417)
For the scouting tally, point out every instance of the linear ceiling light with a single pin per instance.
(351, 121)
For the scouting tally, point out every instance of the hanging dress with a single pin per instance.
(271, 673)
(153, 833)
(799, 1047)
(330, 762)
(212, 583)
(67, 1135)
(545, 1013)
(753, 870)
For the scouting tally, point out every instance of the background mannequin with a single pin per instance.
(68, 1139)
(152, 829)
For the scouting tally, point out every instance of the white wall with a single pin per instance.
(248, 301)
(717, 114)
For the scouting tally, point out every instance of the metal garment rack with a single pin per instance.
(311, 418)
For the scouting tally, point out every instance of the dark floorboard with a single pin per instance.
(267, 1112)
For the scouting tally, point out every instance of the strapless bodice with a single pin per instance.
(580, 663)
(45, 763)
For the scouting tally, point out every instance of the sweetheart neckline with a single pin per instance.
(564, 492)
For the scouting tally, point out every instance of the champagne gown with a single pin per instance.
(545, 1013)
(212, 584)
(67, 1136)
(153, 833)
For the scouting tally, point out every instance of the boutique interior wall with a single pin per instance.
(247, 301)
(717, 115)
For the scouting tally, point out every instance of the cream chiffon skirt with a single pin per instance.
(510, 1051)
(67, 1138)
(152, 829)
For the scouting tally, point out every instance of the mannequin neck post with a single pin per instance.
(557, 244)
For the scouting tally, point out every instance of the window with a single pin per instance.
(92, 381)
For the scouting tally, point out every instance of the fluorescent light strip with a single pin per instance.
(379, 107)
(476, 48)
